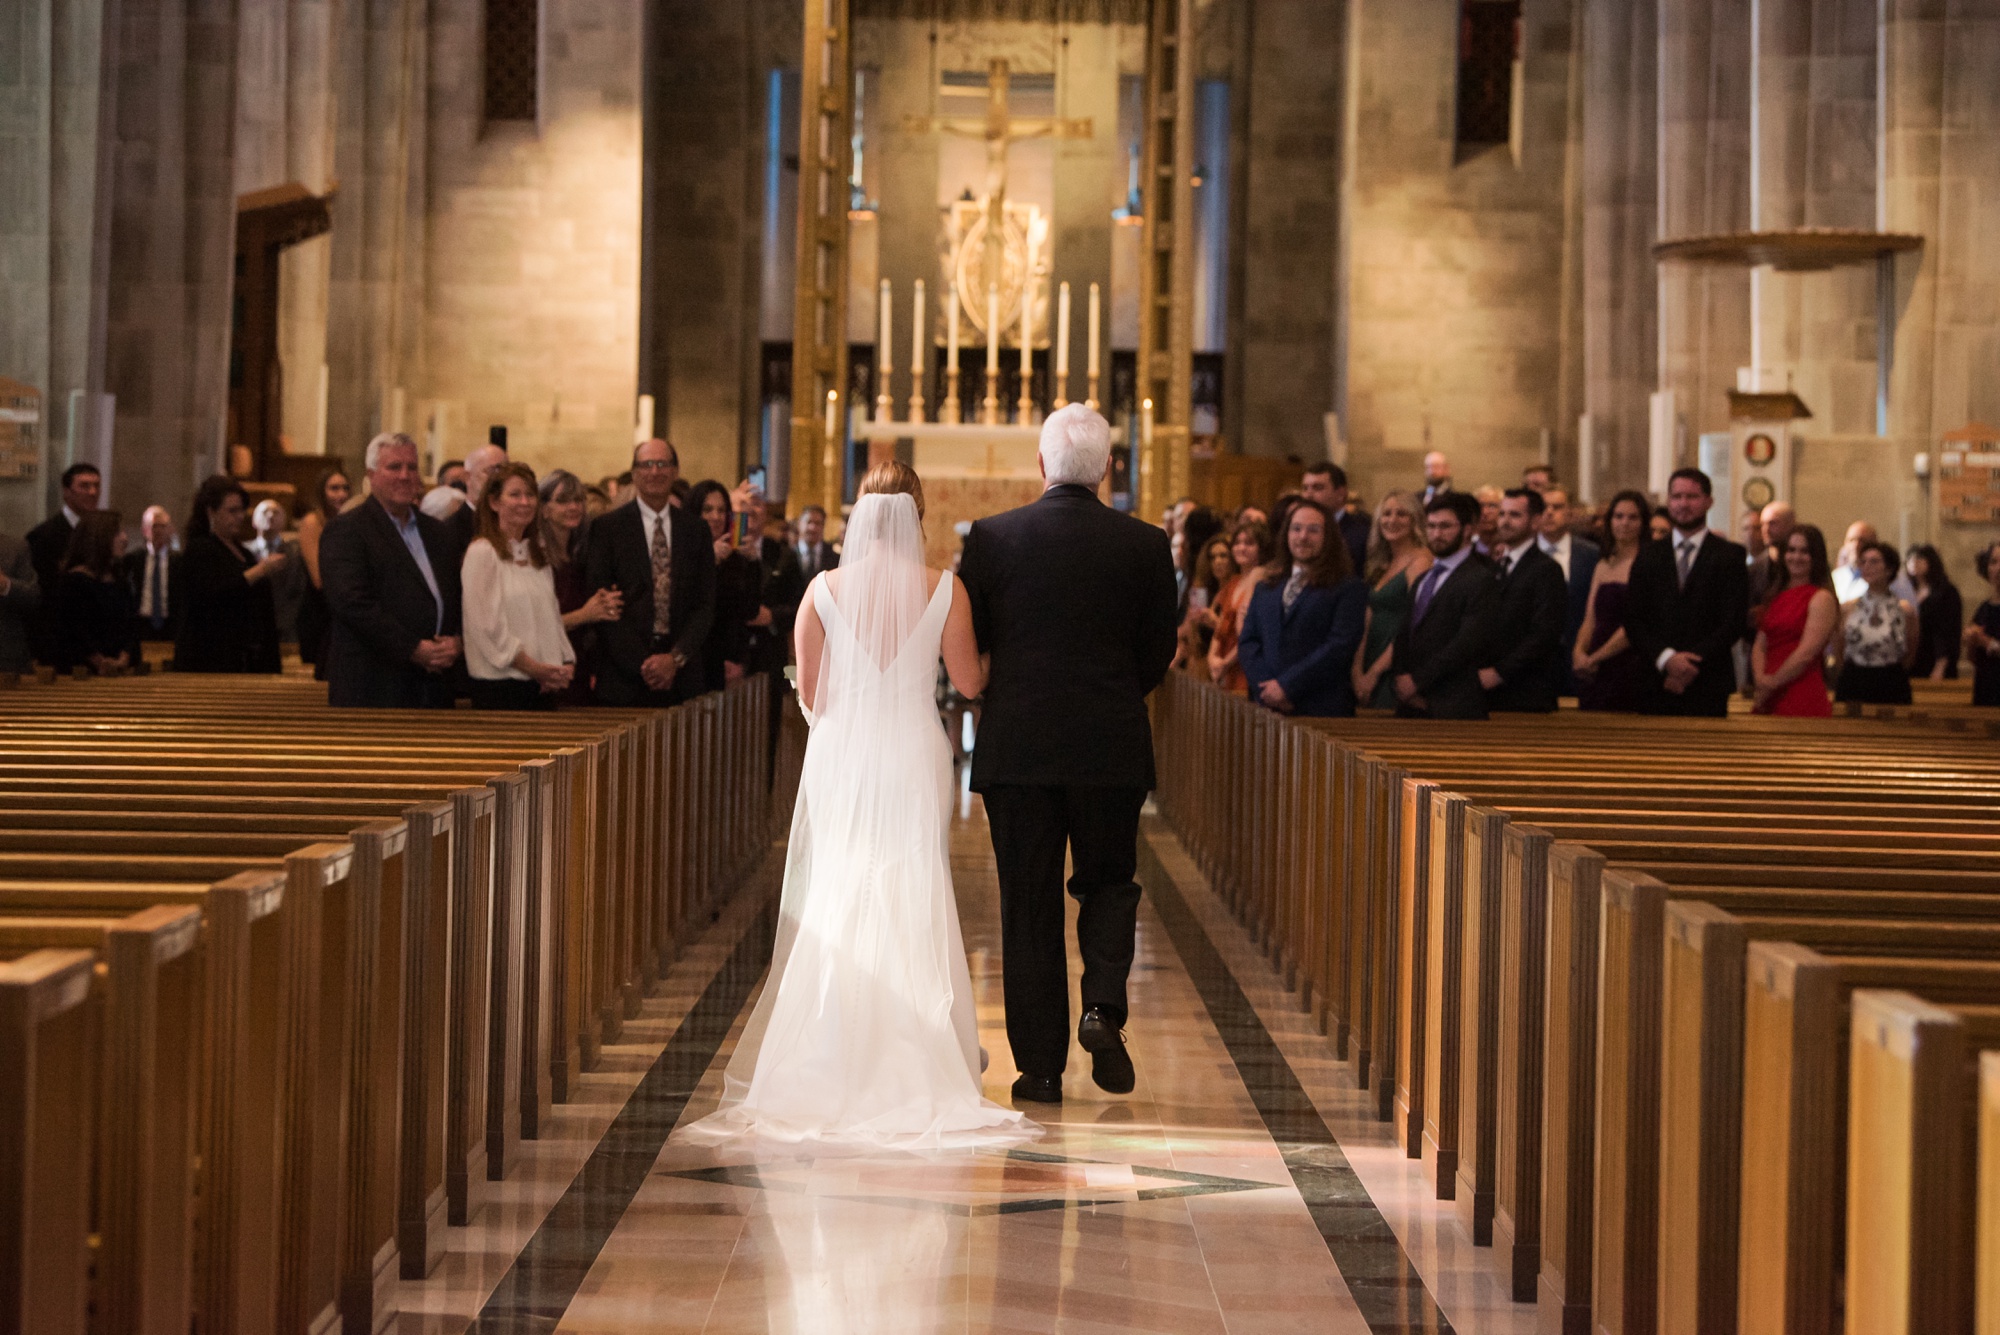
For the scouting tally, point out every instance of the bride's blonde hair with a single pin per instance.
(893, 477)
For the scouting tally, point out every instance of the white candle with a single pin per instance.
(1093, 329)
(1146, 426)
(882, 338)
(1062, 330)
(832, 414)
(951, 326)
(1027, 328)
(917, 358)
(992, 327)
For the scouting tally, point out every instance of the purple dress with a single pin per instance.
(1622, 683)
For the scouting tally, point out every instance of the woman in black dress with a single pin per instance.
(739, 580)
(1982, 637)
(565, 528)
(95, 612)
(1609, 674)
(228, 622)
(1940, 615)
(315, 621)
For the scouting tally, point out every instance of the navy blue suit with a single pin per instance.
(1583, 559)
(1308, 650)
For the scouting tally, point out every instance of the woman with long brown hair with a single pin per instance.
(515, 649)
(1788, 660)
(1609, 673)
(93, 604)
(1251, 549)
(315, 623)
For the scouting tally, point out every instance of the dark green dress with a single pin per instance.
(1389, 607)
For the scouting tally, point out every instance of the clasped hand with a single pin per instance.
(1681, 670)
(436, 655)
(658, 670)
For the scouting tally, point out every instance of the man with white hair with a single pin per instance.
(153, 573)
(390, 574)
(1075, 604)
(463, 523)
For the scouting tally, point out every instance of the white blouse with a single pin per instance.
(510, 606)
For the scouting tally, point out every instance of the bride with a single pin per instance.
(863, 1036)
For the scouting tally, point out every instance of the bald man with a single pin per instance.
(1437, 476)
(463, 525)
(152, 571)
(1847, 582)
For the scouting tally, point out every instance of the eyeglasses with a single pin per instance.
(654, 465)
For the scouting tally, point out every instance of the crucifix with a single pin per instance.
(1000, 131)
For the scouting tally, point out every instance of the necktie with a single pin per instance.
(1426, 589)
(1686, 559)
(1294, 586)
(663, 565)
(159, 613)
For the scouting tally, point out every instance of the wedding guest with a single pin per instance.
(1486, 534)
(661, 557)
(1302, 628)
(94, 604)
(1788, 660)
(267, 523)
(1609, 673)
(781, 584)
(1982, 637)
(1578, 557)
(452, 474)
(1251, 548)
(1940, 616)
(1437, 478)
(1878, 635)
(516, 652)
(20, 597)
(315, 623)
(1435, 669)
(738, 584)
(1197, 526)
(228, 619)
(391, 578)
(1214, 572)
(1525, 665)
(463, 522)
(154, 574)
(816, 554)
(1775, 523)
(1689, 602)
(1660, 528)
(565, 532)
(1848, 581)
(1397, 559)
(1539, 478)
(1326, 483)
(48, 545)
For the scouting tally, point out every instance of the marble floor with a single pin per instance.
(1241, 1188)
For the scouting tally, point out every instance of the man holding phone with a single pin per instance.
(782, 585)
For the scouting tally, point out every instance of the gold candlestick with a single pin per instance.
(1091, 401)
(989, 407)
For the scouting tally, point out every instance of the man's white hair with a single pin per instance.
(1076, 446)
(387, 440)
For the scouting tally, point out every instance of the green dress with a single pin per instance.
(1389, 607)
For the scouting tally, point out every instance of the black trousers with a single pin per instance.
(507, 693)
(1032, 829)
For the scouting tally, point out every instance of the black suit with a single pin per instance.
(1705, 617)
(1354, 531)
(816, 560)
(619, 555)
(783, 588)
(158, 628)
(1527, 648)
(382, 609)
(1444, 651)
(48, 541)
(1075, 602)
(1583, 559)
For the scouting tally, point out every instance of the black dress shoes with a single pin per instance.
(1038, 1089)
(1110, 1064)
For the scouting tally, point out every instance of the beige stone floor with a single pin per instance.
(1077, 1234)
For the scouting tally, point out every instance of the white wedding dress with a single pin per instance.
(864, 1034)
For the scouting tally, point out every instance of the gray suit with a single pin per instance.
(23, 596)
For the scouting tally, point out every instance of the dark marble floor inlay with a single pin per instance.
(537, 1289)
(1385, 1285)
(1148, 1184)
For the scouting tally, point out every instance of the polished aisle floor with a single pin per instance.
(1239, 1189)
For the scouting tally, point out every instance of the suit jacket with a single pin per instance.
(463, 526)
(134, 566)
(1445, 650)
(1706, 617)
(824, 558)
(19, 604)
(784, 588)
(382, 609)
(1075, 602)
(227, 624)
(1583, 559)
(1527, 647)
(47, 542)
(1309, 649)
(1354, 531)
(619, 555)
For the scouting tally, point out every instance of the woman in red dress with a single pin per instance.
(1789, 658)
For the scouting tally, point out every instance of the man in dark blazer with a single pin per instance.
(1325, 484)
(816, 555)
(153, 572)
(1300, 632)
(48, 541)
(390, 575)
(646, 548)
(1578, 558)
(1526, 664)
(1438, 654)
(1689, 602)
(478, 467)
(1075, 603)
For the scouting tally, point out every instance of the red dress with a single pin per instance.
(1784, 626)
